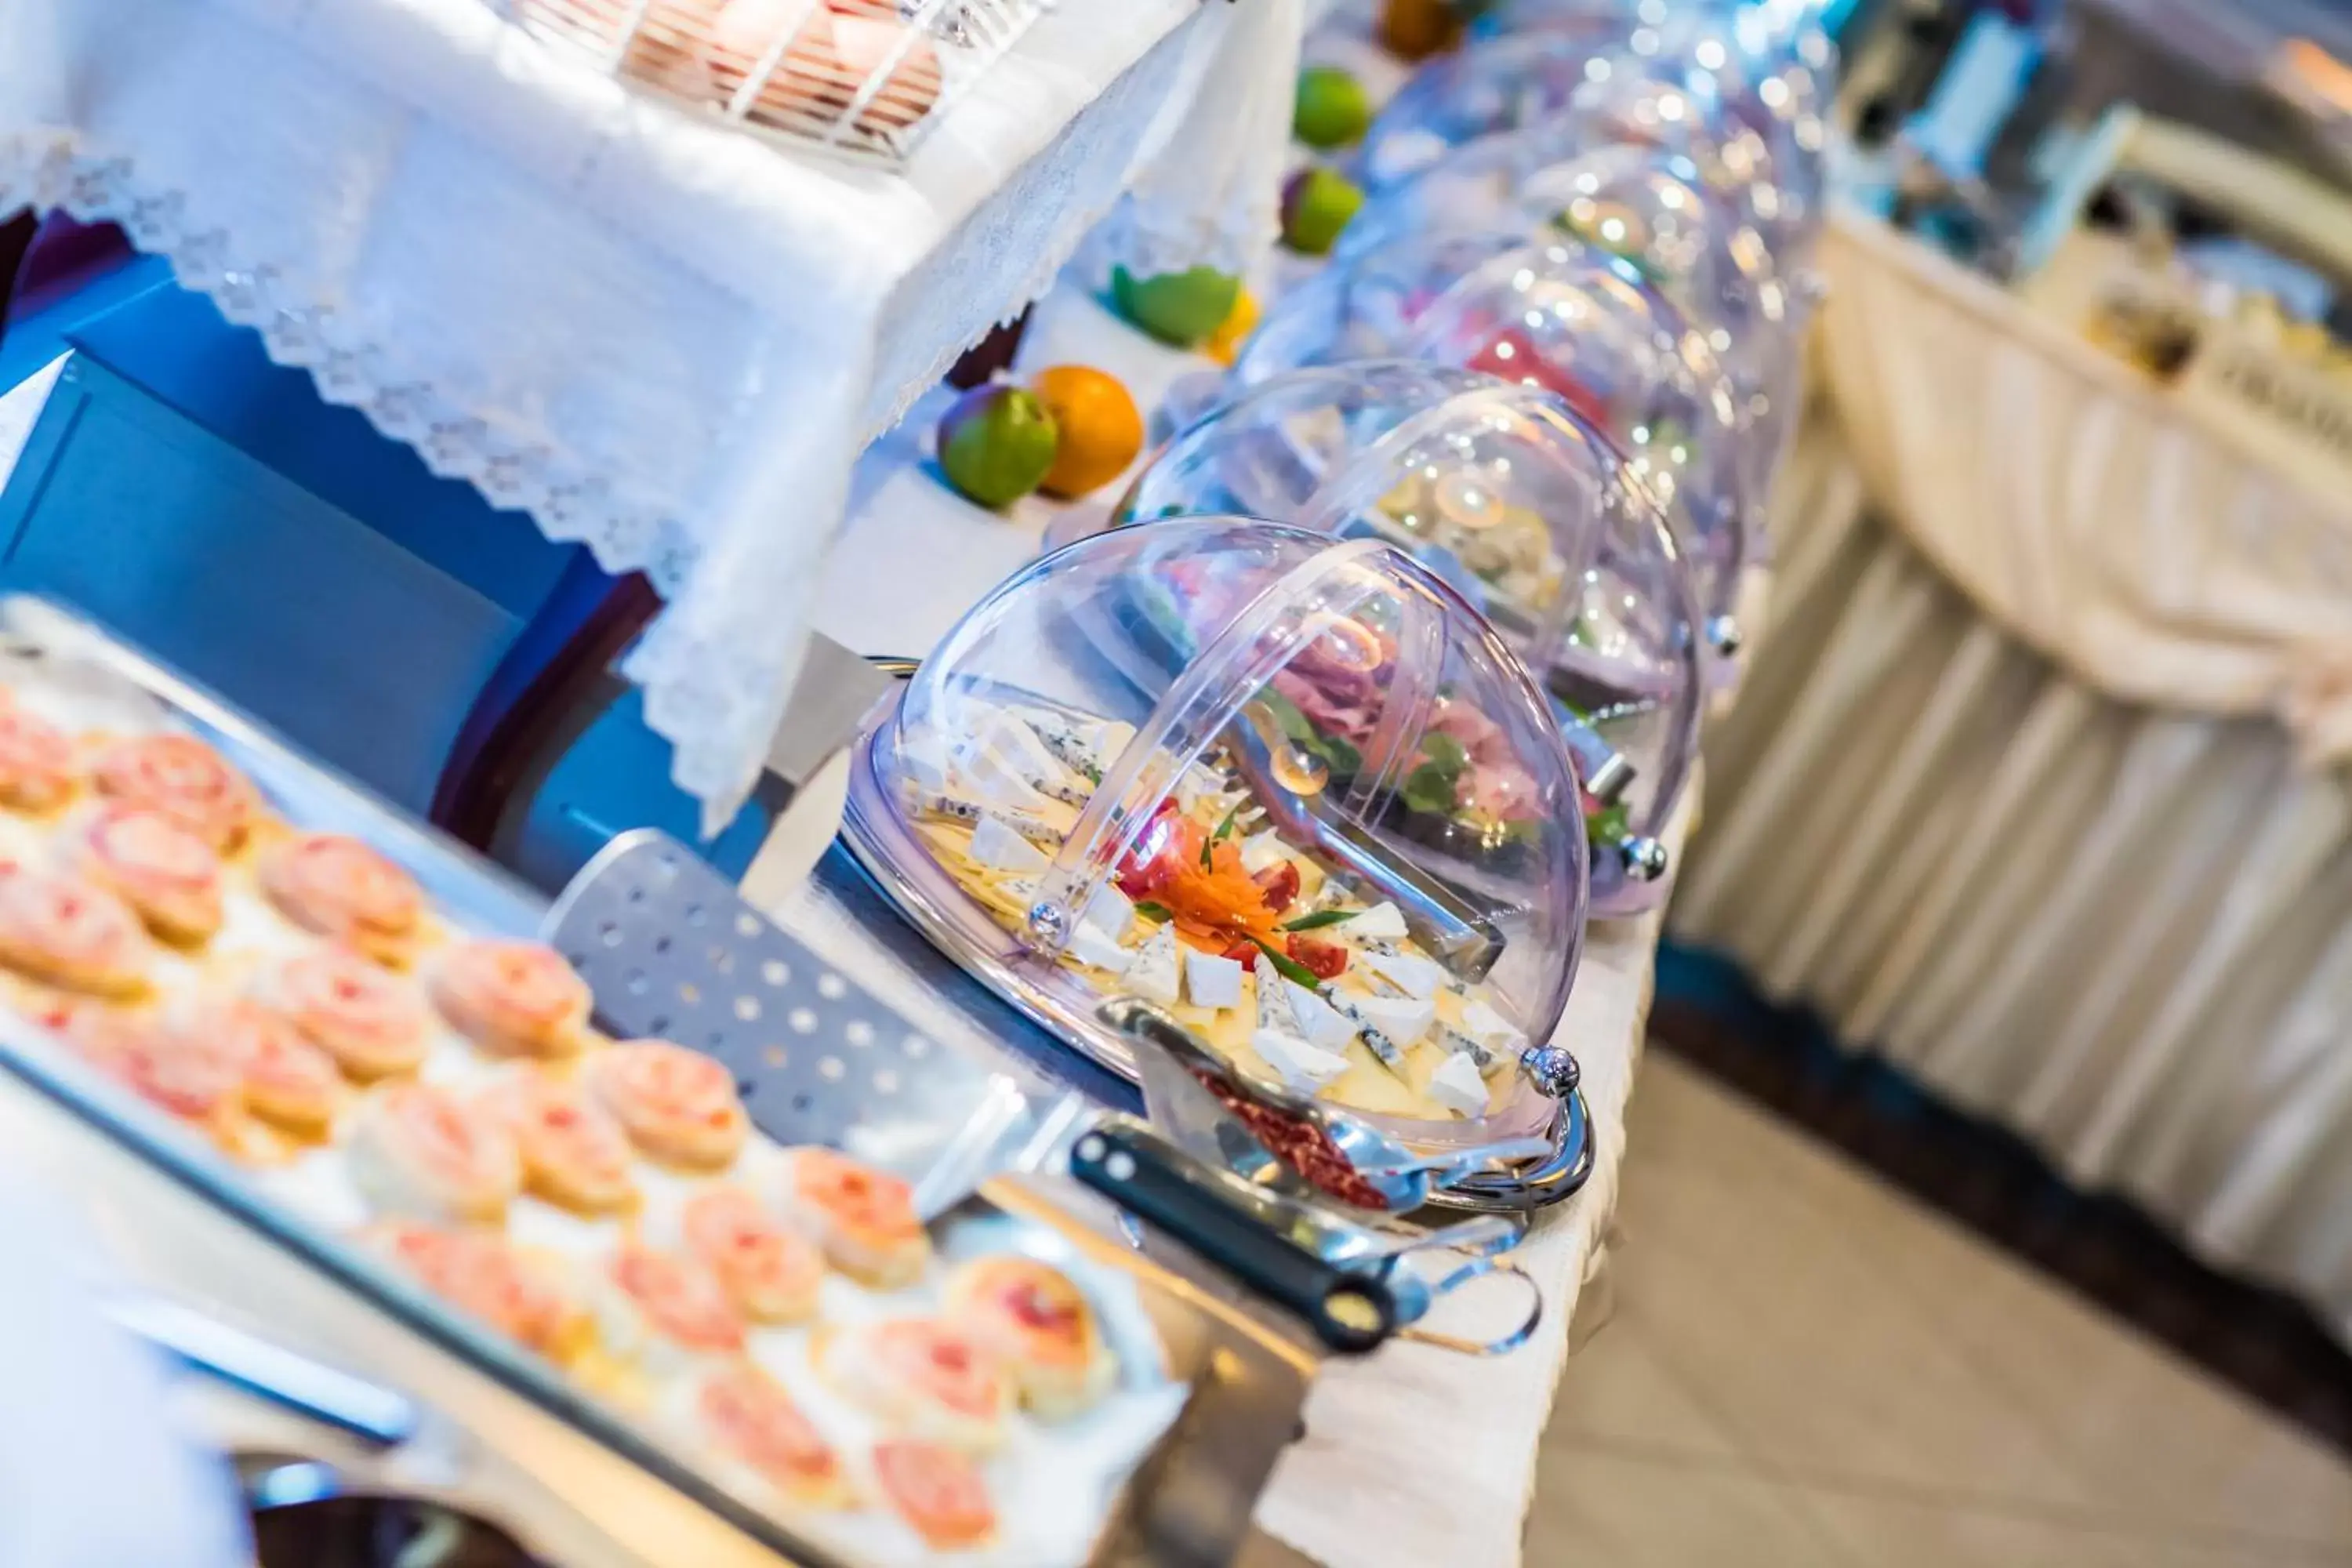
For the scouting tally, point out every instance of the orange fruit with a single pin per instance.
(1224, 345)
(1101, 429)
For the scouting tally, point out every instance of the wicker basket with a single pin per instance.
(861, 77)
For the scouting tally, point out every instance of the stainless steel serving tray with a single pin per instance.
(1185, 1503)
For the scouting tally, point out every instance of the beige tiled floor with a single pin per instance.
(1804, 1368)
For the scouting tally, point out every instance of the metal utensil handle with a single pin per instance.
(1478, 1268)
(324, 1394)
(1349, 1311)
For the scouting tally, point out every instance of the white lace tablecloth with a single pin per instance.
(656, 336)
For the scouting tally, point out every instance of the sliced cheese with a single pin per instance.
(1300, 1065)
(1075, 746)
(1382, 922)
(1490, 1028)
(1325, 1027)
(1456, 1086)
(1092, 948)
(958, 808)
(1416, 976)
(1405, 1019)
(1455, 1043)
(923, 757)
(1153, 975)
(1110, 911)
(1211, 981)
(1000, 848)
(1275, 1012)
(1376, 1040)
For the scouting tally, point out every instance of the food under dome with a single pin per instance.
(1531, 515)
(1650, 209)
(1757, 71)
(1290, 789)
(1561, 316)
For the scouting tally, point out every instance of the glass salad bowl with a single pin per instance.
(1290, 789)
(1572, 320)
(1533, 516)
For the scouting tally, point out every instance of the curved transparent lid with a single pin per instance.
(1168, 758)
(1533, 515)
(1494, 85)
(1561, 316)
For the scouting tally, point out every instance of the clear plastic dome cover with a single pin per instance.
(1561, 316)
(1770, 67)
(1586, 327)
(1291, 788)
(1530, 513)
(1646, 207)
(1495, 85)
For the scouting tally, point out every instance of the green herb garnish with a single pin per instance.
(1319, 919)
(1288, 967)
(1607, 824)
(1431, 787)
(1151, 909)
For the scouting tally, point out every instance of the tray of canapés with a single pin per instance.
(283, 1006)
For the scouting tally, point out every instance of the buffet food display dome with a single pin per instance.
(1575, 322)
(1289, 788)
(1495, 85)
(1767, 69)
(1650, 209)
(1532, 515)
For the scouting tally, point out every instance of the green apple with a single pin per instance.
(1331, 110)
(996, 445)
(1182, 309)
(1316, 206)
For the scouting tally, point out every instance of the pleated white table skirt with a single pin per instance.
(2125, 932)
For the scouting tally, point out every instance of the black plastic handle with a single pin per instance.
(1350, 1312)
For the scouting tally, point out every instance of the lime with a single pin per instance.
(1177, 308)
(996, 445)
(1332, 108)
(1316, 206)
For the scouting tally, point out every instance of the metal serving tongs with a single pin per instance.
(1508, 1177)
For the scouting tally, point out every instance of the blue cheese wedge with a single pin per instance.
(1376, 1040)
(1275, 1012)
(1456, 1086)
(1092, 948)
(1490, 1028)
(1007, 763)
(1382, 922)
(958, 808)
(1455, 1043)
(923, 758)
(1153, 975)
(1076, 746)
(1405, 1019)
(1298, 1064)
(1000, 848)
(1211, 981)
(1325, 1026)
(1409, 974)
(1110, 911)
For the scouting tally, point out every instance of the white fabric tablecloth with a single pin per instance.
(2124, 931)
(655, 335)
(2166, 545)
(1412, 1457)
